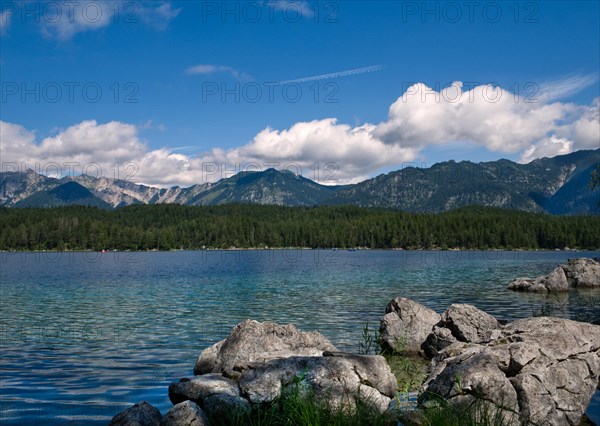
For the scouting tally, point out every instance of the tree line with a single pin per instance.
(167, 227)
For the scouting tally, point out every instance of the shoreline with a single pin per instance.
(574, 250)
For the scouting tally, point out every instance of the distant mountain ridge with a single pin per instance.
(555, 185)
(70, 193)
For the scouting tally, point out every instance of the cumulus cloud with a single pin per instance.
(585, 131)
(64, 19)
(84, 143)
(484, 115)
(549, 147)
(321, 150)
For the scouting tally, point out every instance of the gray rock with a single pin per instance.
(527, 284)
(473, 376)
(207, 361)
(583, 272)
(438, 339)
(406, 325)
(555, 281)
(185, 413)
(140, 414)
(469, 324)
(225, 407)
(215, 394)
(253, 342)
(545, 370)
(338, 378)
(460, 323)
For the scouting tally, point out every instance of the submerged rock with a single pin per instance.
(253, 342)
(140, 414)
(406, 325)
(186, 413)
(577, 273)
(538, 370)
(554, 281)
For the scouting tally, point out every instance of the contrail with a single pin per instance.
(355, 71)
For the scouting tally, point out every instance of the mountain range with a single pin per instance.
(557, 185)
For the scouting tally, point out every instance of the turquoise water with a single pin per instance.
(82, 335)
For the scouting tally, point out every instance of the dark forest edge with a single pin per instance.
(174, 227)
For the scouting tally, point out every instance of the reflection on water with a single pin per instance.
(84, 334)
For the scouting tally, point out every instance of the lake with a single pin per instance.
(83, 335)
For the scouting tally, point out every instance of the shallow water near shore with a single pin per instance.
(83, 335)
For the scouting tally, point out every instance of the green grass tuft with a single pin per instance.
(300, 406)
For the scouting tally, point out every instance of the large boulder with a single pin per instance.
(185, 413)
(406, 325)
(541, 370)
(253, 342)
(140, 414)
(460, 323)
(583, 272)
(340, 379)
(555, 281)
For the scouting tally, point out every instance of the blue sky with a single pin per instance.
(163, 68)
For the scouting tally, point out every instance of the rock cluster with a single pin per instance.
(582, 272)
(541, 371)
(256, 364)
(538, 370)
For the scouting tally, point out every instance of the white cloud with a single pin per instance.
(549, 147)
(205, 69)
(484, 115)
(16, 144)
(585, 131)
(84, 143)
(89, 141)
(159, 17)
(65, 19)
(353, 150)
(565, 86)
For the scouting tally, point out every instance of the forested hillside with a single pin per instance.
(165, 227)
